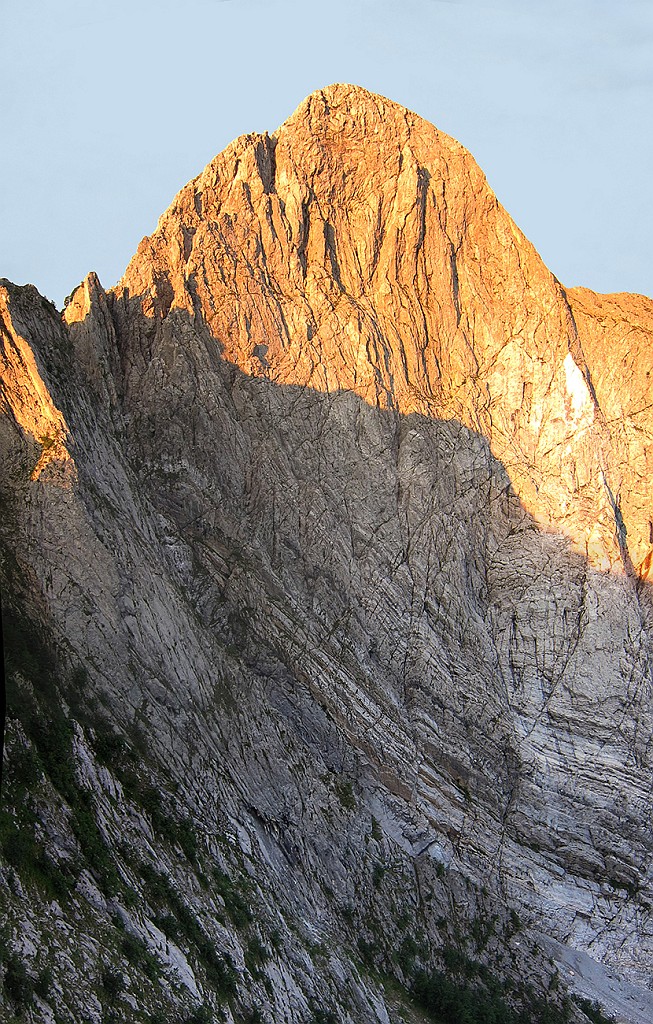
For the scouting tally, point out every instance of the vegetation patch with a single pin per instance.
(256, 954)
(34, 699)
(179, 923)
(28, 857)
(93, 845)
(112, 981)
(592, 1011)
(17, 983)
(455, 1001)
(114, 751)
(345, 793)
(410, 950)
(138, 955)
(235, 904)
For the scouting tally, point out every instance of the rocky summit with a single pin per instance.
(326, 545)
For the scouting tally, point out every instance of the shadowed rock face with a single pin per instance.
(341, 501)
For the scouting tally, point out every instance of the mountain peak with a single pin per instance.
(362, 249)
(352, 111)
(333, 523)
(342, 97)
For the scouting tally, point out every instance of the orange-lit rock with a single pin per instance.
(26, 398)
(360, 248)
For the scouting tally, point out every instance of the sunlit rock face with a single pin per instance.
(355, 532)
(361, 249)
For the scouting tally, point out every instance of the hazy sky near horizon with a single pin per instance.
(108, 109)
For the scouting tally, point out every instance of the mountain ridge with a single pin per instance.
(300, 530)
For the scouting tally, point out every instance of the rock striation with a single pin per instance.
(331, 525)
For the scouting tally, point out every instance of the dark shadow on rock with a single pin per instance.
(375, 577)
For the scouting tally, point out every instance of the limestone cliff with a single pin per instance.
(326, 545)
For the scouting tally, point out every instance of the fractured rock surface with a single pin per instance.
(342, 502)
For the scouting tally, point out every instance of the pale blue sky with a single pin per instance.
(109, 108)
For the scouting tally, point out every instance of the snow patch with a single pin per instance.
(582, 406)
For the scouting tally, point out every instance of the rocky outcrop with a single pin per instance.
(345, 529)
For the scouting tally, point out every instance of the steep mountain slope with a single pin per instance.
(325, 556)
